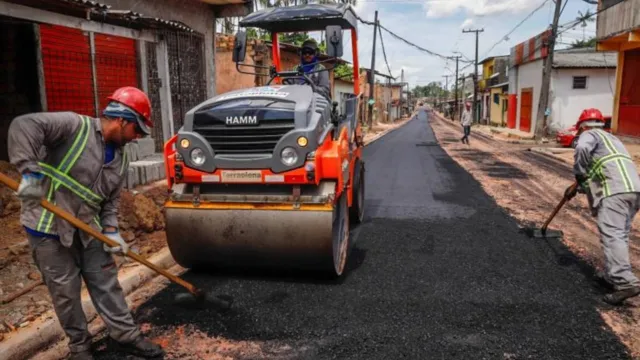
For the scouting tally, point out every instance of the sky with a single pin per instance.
(437, 25)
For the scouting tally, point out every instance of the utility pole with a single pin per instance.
(475, 77)
(541, 119)
(446, 88)
(373, 73)
(455, 104)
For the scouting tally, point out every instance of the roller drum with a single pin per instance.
(291, 239)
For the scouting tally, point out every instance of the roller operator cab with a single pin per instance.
(270, 176)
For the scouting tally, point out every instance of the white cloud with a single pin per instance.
(467, 23)
(443, 8)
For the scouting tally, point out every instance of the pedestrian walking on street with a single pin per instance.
(606, 173)
(465, 120)
(83, 172)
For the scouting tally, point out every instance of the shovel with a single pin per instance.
(543, 232)
(194, 296)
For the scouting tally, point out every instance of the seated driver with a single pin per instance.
(309, 63)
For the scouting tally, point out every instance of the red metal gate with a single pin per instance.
(526, 97)
(66, 59)
(115, 65)
(629, 111)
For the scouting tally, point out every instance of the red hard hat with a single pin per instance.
(591, 114)
(135, 99)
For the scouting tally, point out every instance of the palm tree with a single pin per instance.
(583, 19)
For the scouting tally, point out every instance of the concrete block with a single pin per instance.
(146, 147)
(149, 171)
(132, 151)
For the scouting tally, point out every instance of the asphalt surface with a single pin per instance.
(439, 271)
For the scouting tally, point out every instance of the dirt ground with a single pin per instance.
(141, 222)
(528, 186)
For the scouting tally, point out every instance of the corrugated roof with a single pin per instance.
(102, 12)
(584, 58)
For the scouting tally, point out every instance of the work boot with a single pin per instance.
(142, 347)
(601, 280)
(82, 355)
(618, 297)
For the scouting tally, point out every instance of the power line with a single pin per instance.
(516, 27)
(384, 53)
(433, 53)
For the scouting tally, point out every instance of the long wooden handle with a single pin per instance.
(88, 229)
(558, 207)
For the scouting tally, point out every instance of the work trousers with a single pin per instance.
(62, 269)
(615, 215)
(467, 132)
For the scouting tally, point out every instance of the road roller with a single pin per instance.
(270, 176)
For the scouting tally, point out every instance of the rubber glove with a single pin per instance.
(121, 249)
(30, 191)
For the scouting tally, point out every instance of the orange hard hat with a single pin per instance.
(591, 114)
(136, 99)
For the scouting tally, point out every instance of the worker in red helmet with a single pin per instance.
(83, 171)
(590, 114)
(606, 173)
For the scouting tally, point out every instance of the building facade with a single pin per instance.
(68, 55)
(580, 79)
(618, 30)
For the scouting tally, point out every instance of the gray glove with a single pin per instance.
(30, 191)
(121, 249)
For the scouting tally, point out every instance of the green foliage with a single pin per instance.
(344, 71)
(433, 89)
(578, 44)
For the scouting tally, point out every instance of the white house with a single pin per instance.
(341, 89)
(580, 79)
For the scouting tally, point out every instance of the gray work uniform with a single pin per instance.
(70, 148)
(614, 196)
(320, 80)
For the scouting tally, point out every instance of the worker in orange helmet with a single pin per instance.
(83, 171)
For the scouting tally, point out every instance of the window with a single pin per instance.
(579, 82)
(496, 99)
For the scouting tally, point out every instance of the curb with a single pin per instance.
(47, 330)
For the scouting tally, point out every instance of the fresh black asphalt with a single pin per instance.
(439, 271)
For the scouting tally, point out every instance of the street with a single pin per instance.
(439, 271)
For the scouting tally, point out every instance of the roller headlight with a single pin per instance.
(288, 156)
(197, 156)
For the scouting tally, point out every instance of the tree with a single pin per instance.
(583, 19)
(579, 44)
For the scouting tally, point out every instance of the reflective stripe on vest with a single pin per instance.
(619, 158)
(65, 180)
(68, 161)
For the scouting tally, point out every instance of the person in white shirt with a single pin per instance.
(465, 120)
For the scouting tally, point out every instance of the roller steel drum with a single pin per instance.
(244, 235)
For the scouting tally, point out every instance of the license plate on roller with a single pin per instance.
(228, 176)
